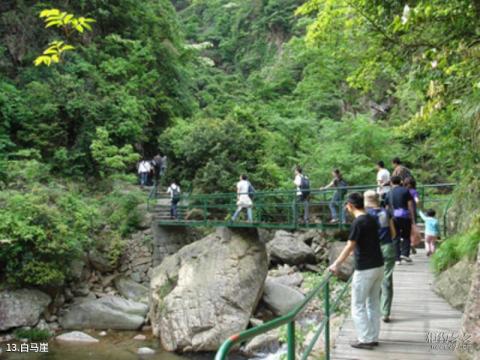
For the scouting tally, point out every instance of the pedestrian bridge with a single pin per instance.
(277, 209)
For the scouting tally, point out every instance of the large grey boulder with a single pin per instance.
(21, 307)
(287, 249)
(131, 290)
(454, 284)
(109, 312)
(208, 290)
(280, 298)
(348, 266)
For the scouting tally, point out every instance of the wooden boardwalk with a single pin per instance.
(416, 311)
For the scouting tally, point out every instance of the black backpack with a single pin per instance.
(305, 186)
(175, 195)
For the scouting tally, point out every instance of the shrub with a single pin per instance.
(32, 334)
(41, 231)
(456, 248)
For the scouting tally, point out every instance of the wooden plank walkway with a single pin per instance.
(416, 311)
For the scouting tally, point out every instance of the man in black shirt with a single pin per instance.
(367, 279)
(400, 205)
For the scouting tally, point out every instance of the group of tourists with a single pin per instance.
(381, 235)
(380, 238)
(151, 170)
(246, 191)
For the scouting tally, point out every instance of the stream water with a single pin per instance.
(113, 346)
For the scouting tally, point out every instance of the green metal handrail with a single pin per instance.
(313, 191)
(152, 194)
(275, 209)
(289, 320)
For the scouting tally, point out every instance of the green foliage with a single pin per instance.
(69, 24)
(32, 334)
(351, 145)
(214, 152)
(120, 208)
(456, 248)
(254, 89)
(432, 79)
(45, 224)
(109, 157)
(53, 53)
(41, 231)
(131, 78)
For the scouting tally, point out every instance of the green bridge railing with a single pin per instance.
(279, 209)
(289, 320)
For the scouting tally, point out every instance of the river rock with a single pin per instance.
(262, 344)
(208, 290)
(100, 262)
(348, 266)
(288, 249)
(82, 290)
(145, 351)
(131, 289)
(77, 336)
(21, 307)
(454, 284)
(291, 280)
(280, 298)
(109, 312)
(42, 325)
(76, 269)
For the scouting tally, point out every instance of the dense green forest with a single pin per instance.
(222, 87)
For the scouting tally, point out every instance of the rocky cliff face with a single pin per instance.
(208, 290)
(471, 317)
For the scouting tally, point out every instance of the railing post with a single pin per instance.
(291, 340)
(423, 196)
(204, 209)
(295, 210)
(326, 300)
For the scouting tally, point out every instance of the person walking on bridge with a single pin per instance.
(244, 201)
(303, 191)
(432, 230)
(400, 205)
(157, 164)
(383, 181)
(367, 278)
(400, 170)
(336, 203)
(386, 233)
(415, 237)
(174, 192)
(144, 169)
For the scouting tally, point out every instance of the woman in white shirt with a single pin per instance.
(243, 199)
(144, 169)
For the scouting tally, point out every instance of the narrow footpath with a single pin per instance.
(418, 314)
